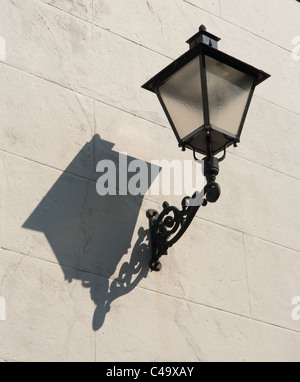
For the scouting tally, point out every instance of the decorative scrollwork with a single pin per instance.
(169, 226)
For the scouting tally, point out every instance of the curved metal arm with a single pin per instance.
(169, 226)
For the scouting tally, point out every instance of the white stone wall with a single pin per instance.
(73, 265)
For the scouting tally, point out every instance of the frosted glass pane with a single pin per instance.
(228, 93)
(182, 96)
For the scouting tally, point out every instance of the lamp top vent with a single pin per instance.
(203, 37)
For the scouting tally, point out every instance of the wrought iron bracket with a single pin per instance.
(167, 227)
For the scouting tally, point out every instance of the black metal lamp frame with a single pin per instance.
(205, 45)
(168, 226)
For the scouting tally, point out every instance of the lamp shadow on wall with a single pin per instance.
(90, 234)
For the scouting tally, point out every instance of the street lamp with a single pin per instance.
(205, 95)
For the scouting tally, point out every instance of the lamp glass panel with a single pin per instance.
(228, 94)
(182, 96)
